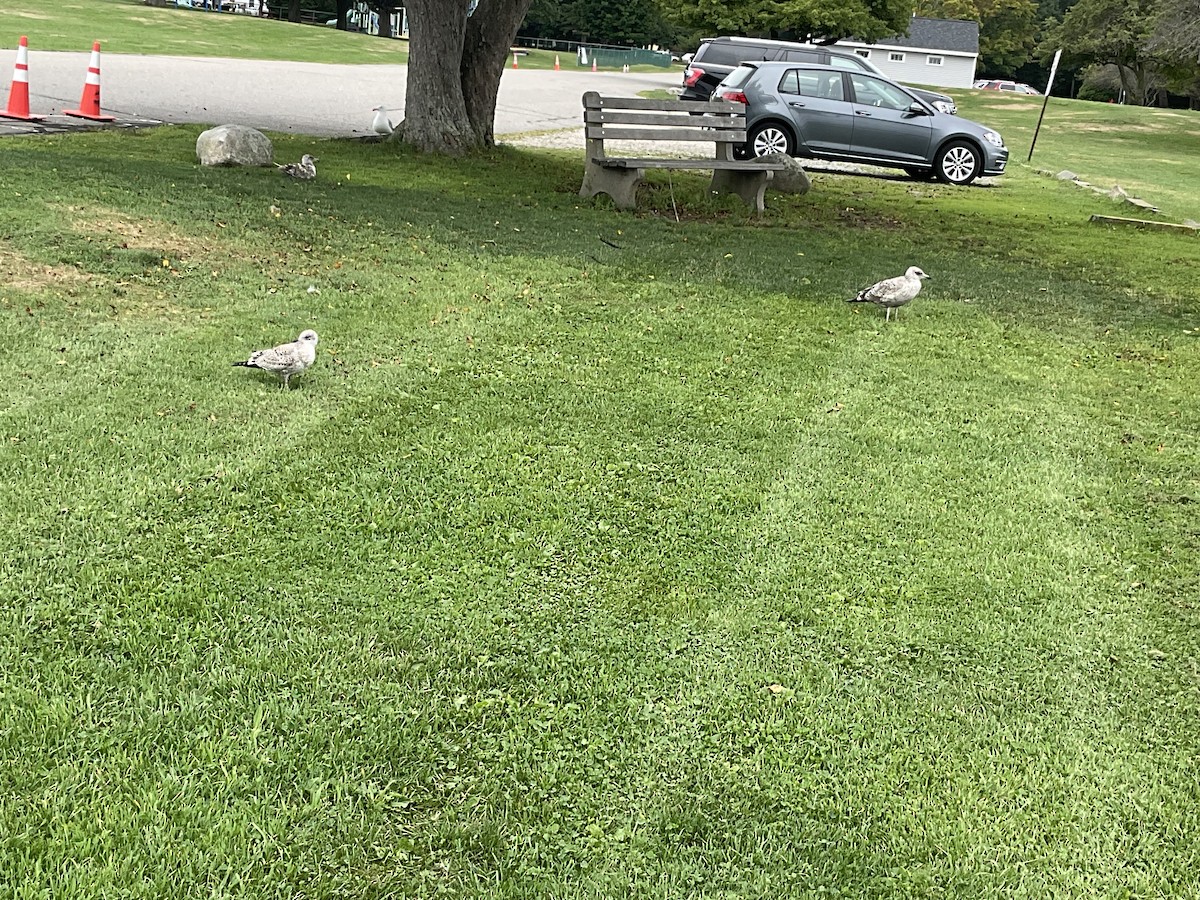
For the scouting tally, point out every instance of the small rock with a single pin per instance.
(793, 179)
(1067, 175)
(234, 145)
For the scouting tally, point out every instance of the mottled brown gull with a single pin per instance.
(305, 170)
(285, 360)
(893, 293)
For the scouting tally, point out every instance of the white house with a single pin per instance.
(938, 52)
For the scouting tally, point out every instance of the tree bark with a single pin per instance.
(489, 36)
(435, 114)
(343, 11)
(293, 10)
(454, 69)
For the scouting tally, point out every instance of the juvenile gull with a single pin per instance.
(893, 293)
(304, 170)
(285, 360)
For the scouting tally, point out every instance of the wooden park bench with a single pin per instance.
(635, 119)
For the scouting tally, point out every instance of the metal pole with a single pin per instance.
(1045, 101)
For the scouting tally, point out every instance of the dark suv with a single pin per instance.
(719, 56)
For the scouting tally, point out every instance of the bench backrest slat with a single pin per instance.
(617, 117)
(592, 100)
(625, 133)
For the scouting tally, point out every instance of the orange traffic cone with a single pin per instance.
(514, 59)
(18, 96)
(593, 64)
(89, 106)
(555, 62)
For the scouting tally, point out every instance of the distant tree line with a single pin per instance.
(1132, 50)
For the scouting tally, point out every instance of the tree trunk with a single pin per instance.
(435, 115)
(454, 69)
(489, 36)
(343, 11)
(293, 10)
(385, 21)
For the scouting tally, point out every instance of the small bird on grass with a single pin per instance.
(893, 293)
(285, 360)
(305, 170)
(381, 124)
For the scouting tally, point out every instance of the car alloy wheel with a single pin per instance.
(958, 163)
(770, 138)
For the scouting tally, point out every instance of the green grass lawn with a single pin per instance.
(599, 555)
(129, 26)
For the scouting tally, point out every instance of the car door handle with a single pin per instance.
(795, 103)
(861, 112)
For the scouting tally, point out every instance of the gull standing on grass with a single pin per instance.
(893, 293)
(381, 124)
(305, 170)
(285, 360)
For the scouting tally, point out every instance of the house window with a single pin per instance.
(895, 57)
(933, 60)
(865, 54)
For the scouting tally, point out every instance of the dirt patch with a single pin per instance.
(130, 233)
(24, 274)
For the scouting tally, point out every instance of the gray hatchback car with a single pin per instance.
(822, 112)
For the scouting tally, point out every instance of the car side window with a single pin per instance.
(733, 54)
(810, 83)
(804, 56)
(876, 92)
(847, 62)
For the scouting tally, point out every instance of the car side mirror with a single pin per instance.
(916, 109)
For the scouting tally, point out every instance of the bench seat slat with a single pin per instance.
(728, 165)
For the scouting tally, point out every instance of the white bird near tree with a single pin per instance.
(285, 360)
(381, 124)
(305, 170)
(893, 293)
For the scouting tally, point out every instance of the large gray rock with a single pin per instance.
(234, 145)
(793, 179)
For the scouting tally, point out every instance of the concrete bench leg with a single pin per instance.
(620, 184)
(750, 186)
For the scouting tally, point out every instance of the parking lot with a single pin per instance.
(304, 98)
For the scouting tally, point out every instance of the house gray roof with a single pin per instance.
(955, 35)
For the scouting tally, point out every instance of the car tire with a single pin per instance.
(958, 163)
(770, 137)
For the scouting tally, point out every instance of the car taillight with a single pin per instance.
(734, 96)
(692, 75)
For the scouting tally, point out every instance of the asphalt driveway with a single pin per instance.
(306, 98)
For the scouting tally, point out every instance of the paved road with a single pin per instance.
(307, 98)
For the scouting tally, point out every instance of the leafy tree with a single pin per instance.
(1177, 33)
(1109, 31)
(629, 22)
(800, 19)
(454, 66)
